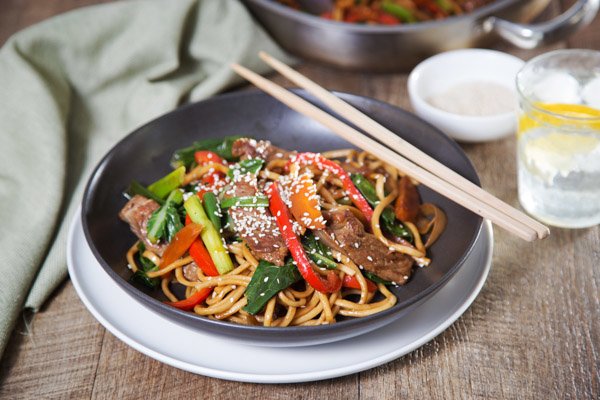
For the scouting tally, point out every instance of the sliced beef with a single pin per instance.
(355, 169)
(190, 272)
(255, 225)
(347, 235)
(136, 213)
(251, 148)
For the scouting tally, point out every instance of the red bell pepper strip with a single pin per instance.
(352, 283)
(180, 243)
(282, 217)
(387, 19)
(192, 301)
(205, 157)
(201, 256)
(202, 259)
(323, 163)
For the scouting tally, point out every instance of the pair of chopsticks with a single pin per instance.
(400, 153)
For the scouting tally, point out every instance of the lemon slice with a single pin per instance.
(562, 153)
(558, 115)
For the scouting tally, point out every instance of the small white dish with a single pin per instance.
(444, 71)
(224, 358)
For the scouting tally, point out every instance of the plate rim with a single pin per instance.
(455, 314)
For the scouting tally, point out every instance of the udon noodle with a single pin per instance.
(300, 303)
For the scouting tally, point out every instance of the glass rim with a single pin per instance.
(532, 104)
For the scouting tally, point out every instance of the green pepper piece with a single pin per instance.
(402, 13)
(245, 201)
(168, 183)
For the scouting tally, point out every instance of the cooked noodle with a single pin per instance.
(300, 304)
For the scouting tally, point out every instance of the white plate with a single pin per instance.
(216, 357)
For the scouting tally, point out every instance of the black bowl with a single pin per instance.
(144, 156)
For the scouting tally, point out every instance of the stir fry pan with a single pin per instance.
(400, 47)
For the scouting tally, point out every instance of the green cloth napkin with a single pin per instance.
(72, 86)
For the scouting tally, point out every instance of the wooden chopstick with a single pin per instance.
(362, 141)
(401, 146)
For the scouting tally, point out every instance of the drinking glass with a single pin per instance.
(558, 138)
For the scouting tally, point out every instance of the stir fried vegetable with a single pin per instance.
(305, 203)
(278, 208)
(180, 244)
(166, 221)
(192, 301)
(267, 281)
(393, 12)
(146, 265)
(245, 201)
(325, 164)
(249, 166)
(136, 188)
(402, 13)
(210, 236)
(318, 252)
(388, 219)
(213, 209)
(221, 146)
(352, 283)
(168, 183)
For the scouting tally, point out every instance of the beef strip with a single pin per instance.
(355, 169)
(347, 235)
(251, 148)
(190, 272)
(255, 225)
(136, 213)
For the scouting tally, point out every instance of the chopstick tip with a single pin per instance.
(544, 233)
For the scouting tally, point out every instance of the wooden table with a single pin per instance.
(533, 332)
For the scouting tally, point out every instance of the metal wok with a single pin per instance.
(394, 48)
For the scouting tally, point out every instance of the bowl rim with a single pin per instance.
(417, 73)
(314, 20)
(266, 332)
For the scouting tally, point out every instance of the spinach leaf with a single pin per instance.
(221, 146)
(388, 218)
(318, 252)
(141, 276)
(371, 276)
(165, 222)
(137, 188)
(267, 281)
(173, 222)
(213, 209)
(249, 166)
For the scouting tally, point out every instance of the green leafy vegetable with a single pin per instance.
(245, 201)
(210, 236)
(402, 13)
(388, 218)
(371, 276)
(136, 188)
(185, 157)
(166, 221)
(168, 183)
(212, 208)
(267, 281)
(249, 166)
(318, 252)
(145, 266)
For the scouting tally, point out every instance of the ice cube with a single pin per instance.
(557, 87)
(591, 93)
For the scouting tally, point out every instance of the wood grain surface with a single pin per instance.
(533, 332)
